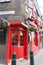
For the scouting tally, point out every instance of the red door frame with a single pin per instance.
(34, 23)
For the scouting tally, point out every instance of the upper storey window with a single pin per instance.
(29, 3)
(5, 1)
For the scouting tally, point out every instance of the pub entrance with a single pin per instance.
(17, 41)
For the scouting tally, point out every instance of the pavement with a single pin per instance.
(38, 60)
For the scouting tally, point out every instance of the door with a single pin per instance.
(2, 46)
(14, 43)
(17, 44)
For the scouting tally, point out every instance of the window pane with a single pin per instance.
(15, 38)
(21, 39)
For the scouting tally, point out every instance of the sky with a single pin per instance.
(40, 3)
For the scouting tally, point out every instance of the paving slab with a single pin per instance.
(38, 60)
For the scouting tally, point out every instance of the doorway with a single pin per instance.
(2, 46)
(17, 44)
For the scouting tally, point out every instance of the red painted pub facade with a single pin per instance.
(34, 43)
(17, 41)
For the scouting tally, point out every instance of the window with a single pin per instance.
(21, 39)
(29, 3)
(15, 38)
(28, 8)
(37, 12)
(42, 32)
(5, 0)
(29, 37)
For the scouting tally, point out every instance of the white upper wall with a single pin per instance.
(37, 7)
(40, 3)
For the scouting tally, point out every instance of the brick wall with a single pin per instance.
(16, 5)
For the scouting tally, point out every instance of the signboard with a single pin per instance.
(5, 0)
(6, 12)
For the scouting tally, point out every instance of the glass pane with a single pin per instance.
(21, 39)
(15, 38)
